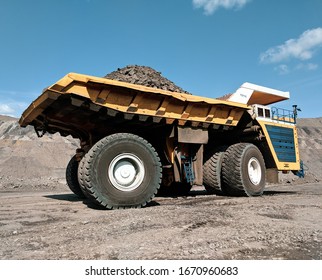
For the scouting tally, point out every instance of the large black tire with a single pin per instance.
(121, 171)
(212, 170)
(243, 170)
(72, 177)
(80, 176)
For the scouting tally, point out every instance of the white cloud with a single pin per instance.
(282, 69)
(13, 103)
(307, 66)
(302, 48)
(210, 6)
(12, 109)
(5, 109)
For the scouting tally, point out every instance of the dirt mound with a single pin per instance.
(10, 129)
(145, 76)
(26, 159)
(310, 141)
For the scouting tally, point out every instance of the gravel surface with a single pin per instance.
(285, 223)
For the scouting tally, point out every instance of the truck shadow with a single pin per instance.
(279, 192)
(74, 198)
(193, 193)
(65, 196)
(266, 193)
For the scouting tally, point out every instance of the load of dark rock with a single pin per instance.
(145, 76)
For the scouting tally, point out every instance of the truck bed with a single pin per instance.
(78, 104)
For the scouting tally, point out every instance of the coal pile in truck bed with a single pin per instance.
(144, 76)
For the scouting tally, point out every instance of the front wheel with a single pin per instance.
(122, 170)
(243, 170)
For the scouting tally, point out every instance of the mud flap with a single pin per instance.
(300, 173)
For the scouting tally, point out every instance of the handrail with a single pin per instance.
(283, 115)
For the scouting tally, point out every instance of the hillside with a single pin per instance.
(310, 141)
(26, 159)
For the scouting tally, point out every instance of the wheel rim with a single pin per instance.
(254, 171)
(126, 172)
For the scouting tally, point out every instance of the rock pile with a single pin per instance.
(145, 76)
(26, 159)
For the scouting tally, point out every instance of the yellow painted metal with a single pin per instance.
(287, 166)
(37, 107)
(284, 119)
(137, 99)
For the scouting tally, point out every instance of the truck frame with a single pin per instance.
(137, 141)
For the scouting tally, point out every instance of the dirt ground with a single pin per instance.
(285, 223)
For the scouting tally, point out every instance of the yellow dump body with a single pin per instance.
(80, 103)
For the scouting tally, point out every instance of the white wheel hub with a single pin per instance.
(254, 171)
(126, 172)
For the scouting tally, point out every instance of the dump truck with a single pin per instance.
(138, 141)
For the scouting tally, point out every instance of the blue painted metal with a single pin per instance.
(301, 173)
(188, 169)
(282, 139)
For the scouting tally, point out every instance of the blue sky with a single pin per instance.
(207, 47)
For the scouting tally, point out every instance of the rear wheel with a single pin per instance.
(122, 170)
(212, 170)
(72, 177)
(243, 170)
